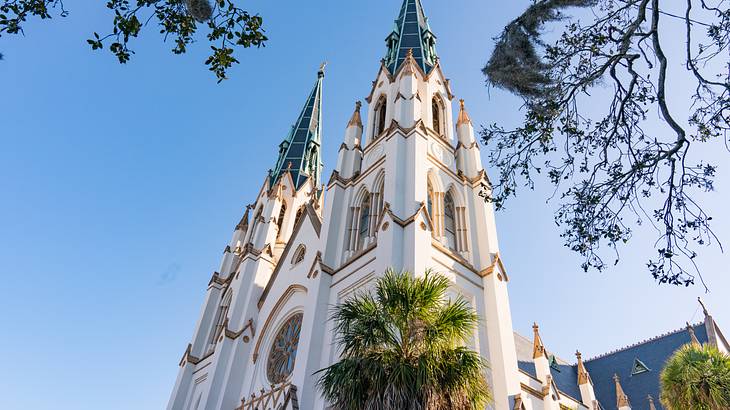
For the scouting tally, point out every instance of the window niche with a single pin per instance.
(437, 115)
(381, 113)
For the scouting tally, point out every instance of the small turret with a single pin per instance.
(651, 403)
(468, 157)
(539, 355)
(692, 335)
(350, 156)
(622, 400)
(407, 101)
(587, 394)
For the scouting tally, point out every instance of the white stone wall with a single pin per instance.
(268, 288)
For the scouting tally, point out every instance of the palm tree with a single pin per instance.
(698, 378)
(403, 348)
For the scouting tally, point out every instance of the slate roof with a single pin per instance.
(299, 153)
(565, 377)
(653, 353)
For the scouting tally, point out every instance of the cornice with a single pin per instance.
(456, 257)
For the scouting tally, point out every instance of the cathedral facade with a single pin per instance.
(406, 193)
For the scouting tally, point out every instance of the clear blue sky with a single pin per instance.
(120, 187)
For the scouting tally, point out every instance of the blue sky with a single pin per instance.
(120, 187)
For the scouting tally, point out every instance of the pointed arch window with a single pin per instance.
(436, 115)
(299, 254)
(429, 200)
(221, 316)
(299, 214)
(450, 221)
(255, 225)
(364, 223)
(280, 219)
(380, 115)
(378, 204)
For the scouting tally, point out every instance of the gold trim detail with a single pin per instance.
(622, 400)
(538, 348)
(463, 115)
(356, 119)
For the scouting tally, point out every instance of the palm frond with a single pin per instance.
(403, 348)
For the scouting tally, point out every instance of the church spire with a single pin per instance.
(411, 32)
(299, 153)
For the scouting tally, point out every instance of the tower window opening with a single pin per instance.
(280, 220)
(255, 225)
(364, 223)
(449, 221)
(221, 318)
(299, 214)
(436, 115)
(380, 114)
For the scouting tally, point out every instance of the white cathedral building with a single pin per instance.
(404, 194)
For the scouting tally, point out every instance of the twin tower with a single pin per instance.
(405, 194)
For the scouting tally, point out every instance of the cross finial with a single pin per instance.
(704, 308)
(463, 115)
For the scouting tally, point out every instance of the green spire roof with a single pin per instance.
(411, 32)
(299, 153)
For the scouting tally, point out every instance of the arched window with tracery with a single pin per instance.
(364, 222)
(436, 115)
(280, 219)
(381, 112)
(283, 353)
(377, 203)
(220, 318)
(450, 221)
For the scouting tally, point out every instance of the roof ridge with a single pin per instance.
(652, 339)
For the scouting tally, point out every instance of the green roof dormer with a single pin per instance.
(411, 32)
(299, 153)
